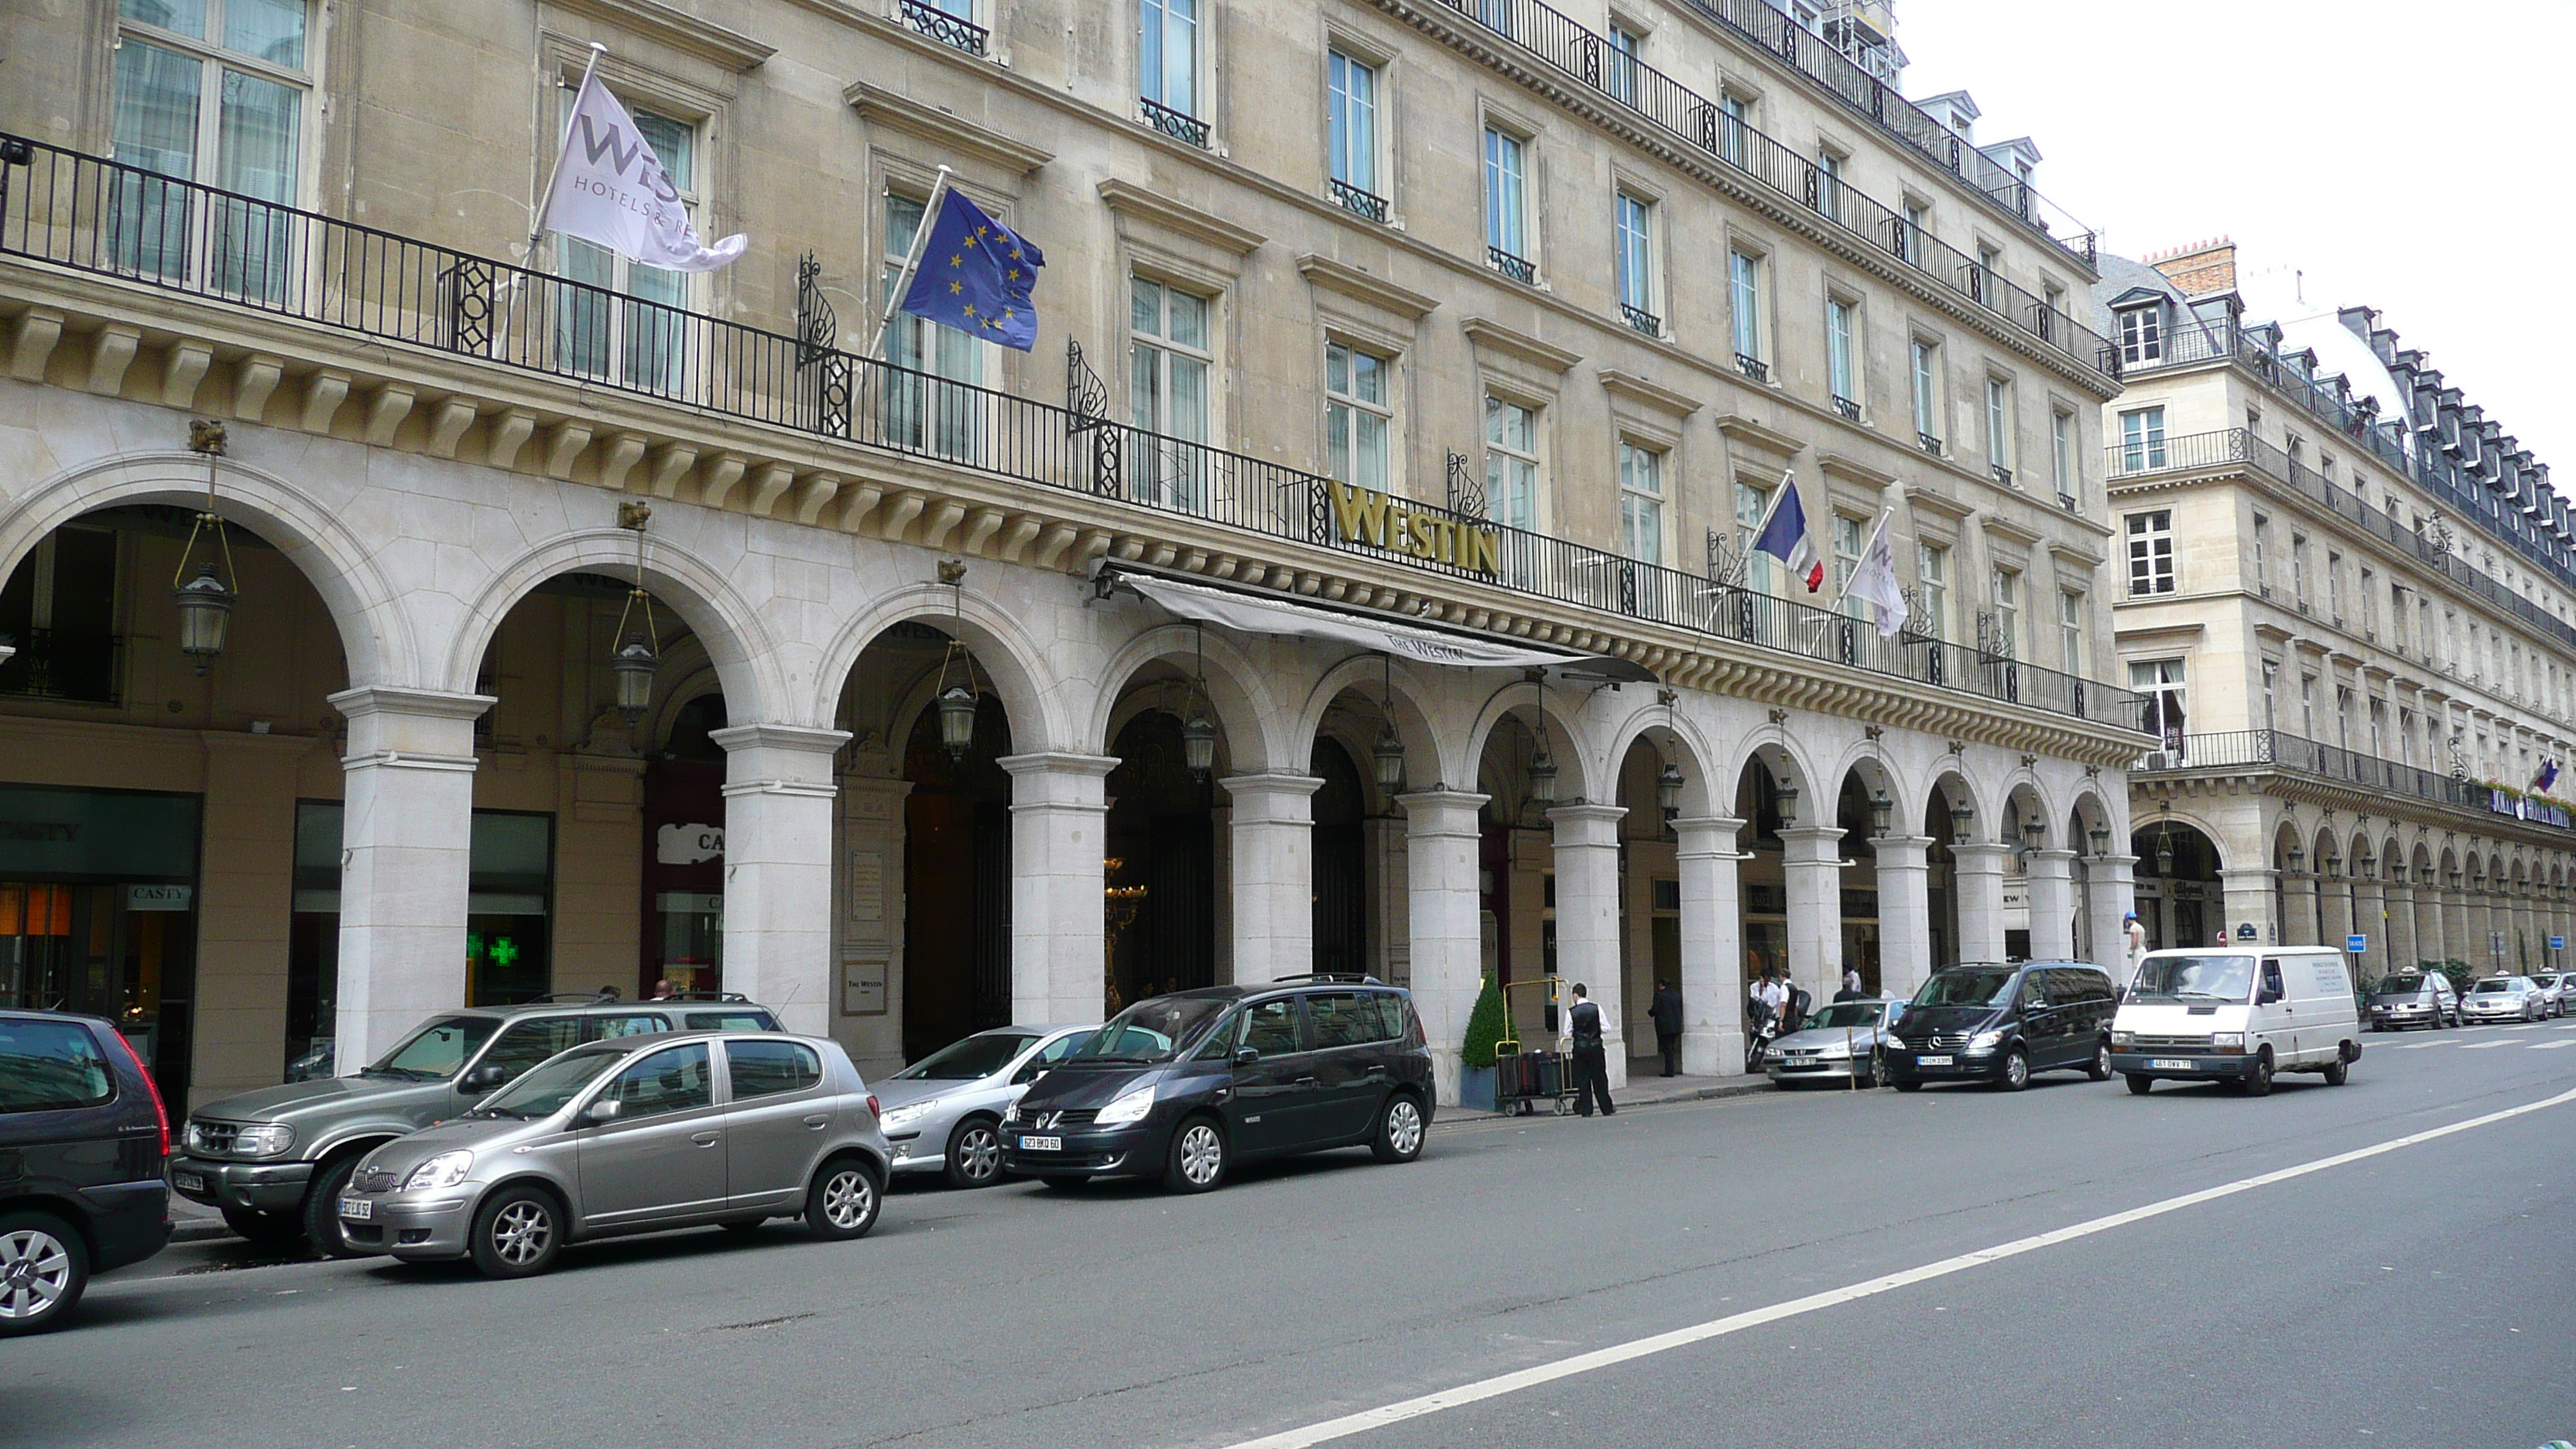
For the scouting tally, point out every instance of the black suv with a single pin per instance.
(1185, 1085)
(2001, 1022)
(82, 1136)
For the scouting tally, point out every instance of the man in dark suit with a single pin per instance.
(1667, 1012)
(1591, 1066)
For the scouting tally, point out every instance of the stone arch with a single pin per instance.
(1416, 717)
(1781, 754)
(1004, 652)
(1580, 775)
(1878, 771)
(1251, 720)
(1674, 734)
(1950, 788)
(378, 634)
(2027, 799)
(746, 658)
(2089, 810)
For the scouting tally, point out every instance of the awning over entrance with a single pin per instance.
(1253, 614)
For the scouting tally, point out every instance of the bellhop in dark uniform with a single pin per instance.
(1591, 1067)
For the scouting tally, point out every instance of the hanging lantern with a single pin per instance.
(2030, 831)
(639, 657)
(1542, 775)
(1668, 789)
(1389, 754)
(1880, 810)
(205, 614)
(1963, 818)
(1198, 744)
(1787, 795)
(2101, 839)
(2298, 859)
(636, 664)
(958, 702)
(956, 721)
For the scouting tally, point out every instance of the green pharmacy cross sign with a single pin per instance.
(501, 952)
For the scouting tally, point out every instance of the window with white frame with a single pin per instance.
(2142, 334)
(2070, 632)
(2159, 686)
(1999, 428)
(1744, 293)
(1511, 463)
(1734, 127)
(1932, 576)
(2334, 586)
(2262, 555)
(2299, 569)
(1636, 264)
(2007, 635)
(1927, 393)
(1351, 133)
(2061, 453)
(1167, 66)
(1918, 222)
(2271, 694)
(1641, 502)
(2142, 440)
(1507, 204)
(929, 406)
(1829, 184)
(1358, 416)
(1751, 502)
(215, 92)
(1842, 355)
(2151, 551)
(1619, 71)
(1168, 365)
(1850, 534)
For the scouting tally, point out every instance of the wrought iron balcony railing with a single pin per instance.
(1519, 269)
(2279, 750)
(1930, 443)
(1847, 407)
(64, 210)
(949, 30)
(1752, 367)
(1178, 125)
(1641, 319)
(1358, 202)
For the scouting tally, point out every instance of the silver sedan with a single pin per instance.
(1834, 1038)
(943, 1112)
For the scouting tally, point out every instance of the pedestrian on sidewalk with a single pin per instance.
(1667, 1012)
(1851, 988)
(1591, 1067)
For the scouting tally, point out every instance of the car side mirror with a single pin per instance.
(1246, 1056)
(483, 1079)
(603, 1110)
(2267, 996)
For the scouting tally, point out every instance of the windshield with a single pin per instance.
(1965, 987)
(545, 1090)
(1155, 1030)
(2400, 985)
(2494, 986)
(2194, 978)
(436, 1051)
(1845, 1014)
(976, 1056)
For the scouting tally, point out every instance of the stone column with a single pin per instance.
(244, 906)
(406, 853)
(2299, 894)
(1059, 930)
(2370, 921)
(2111, 893)
(1904, 913)
(1811, 866)
(779, 791)
(2456, 944)
(1978, 870)
(1587, 918)
(2052, 905)
(1442, 841)
(1712, 946)
(2334, 898)
(2248, 895)
(2397, 900)
(2432, 935)
(1274, 875)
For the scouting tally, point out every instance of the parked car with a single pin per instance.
(2215, 1014)
(2414, 998)
(944, 1112)
(1839, 1042)
(1184, 1086)
(2553, 988)
(82, 1137)
(636, 1134)
(1999, 1023)
(273, 1161)
(2504, 998)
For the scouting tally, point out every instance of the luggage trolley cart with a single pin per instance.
(1523, 1079)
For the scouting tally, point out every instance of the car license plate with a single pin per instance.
(357, 1207)
(1041, 1144)
(2167, 1064)
(187, 1182)
(1931, 1061)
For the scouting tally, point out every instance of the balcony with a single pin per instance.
(1849, 409)
(953, 31)
(1931, 443)
(1175, 124)
(1752, 367)
(2239, 751)
(1519, 269)
(2002, 474)
(430, 308)
(1641, 319)
(1357, 202)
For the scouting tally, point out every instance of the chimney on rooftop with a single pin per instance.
(2201, 268)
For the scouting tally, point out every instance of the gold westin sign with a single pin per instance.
(1366, 516)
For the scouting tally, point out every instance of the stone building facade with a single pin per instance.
(1409, 376)
(2346, 607)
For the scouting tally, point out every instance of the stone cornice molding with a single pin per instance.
(1934, 501)
(1487, 333)
(375, 699)
(2011, 531)
(879, 106)
(1836, 465)
(1328, 275)
(1646, 393)
(1745, 431)
(671, 26)
(1133, 203)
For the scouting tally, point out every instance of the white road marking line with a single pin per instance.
(1616, 1354)
(2543, 1046)
(2420, 1046)
(2482, 1045)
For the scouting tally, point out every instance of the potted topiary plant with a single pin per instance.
(1485, 1027)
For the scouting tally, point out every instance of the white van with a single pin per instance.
(2218, 1014)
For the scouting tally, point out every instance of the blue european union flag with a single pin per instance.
(976, 275)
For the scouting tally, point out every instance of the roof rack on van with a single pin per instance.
(605, 993)
(1352, 977)
(703, 996)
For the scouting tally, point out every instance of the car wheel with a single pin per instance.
(271, 1231)
(2016, 1070)
(844, 1200)
(322, 1208)
(517, 1232)
(2258, 1083)
(1197, 1162)
(1399, 1129)
(43, 1269)
(974, 1153)
(2100, 1070)
(2140, 1084)
(2338, 1072)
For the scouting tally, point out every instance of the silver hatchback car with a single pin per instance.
(633, 1135)
(944, 1112)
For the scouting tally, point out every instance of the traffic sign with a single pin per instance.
(2558, 943)
(2357, 945)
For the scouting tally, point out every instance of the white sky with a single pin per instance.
(2415, 158)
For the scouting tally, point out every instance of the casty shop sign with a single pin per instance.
(1371, 519)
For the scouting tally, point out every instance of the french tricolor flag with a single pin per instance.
(1784, 536)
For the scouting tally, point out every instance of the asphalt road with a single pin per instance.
(2425, 1295)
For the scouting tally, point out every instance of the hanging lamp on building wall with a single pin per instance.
(206, 601)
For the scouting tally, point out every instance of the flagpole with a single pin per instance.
(1779, 495)
(1842, 590)
(911, 262)
(537, 230)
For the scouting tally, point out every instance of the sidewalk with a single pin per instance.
(192, 1222)
(1641, 1091)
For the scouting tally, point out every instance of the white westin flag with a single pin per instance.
(610, 188)
(1874, 580)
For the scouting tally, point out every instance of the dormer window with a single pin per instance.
(2142, 333)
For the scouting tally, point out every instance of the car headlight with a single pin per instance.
(447, 1169)
(2227, 1041)
(907, 1114)
(2124, 1038)
(1128, 1109)
(1985, 1041)
(263, 1139)
(1011, 1115)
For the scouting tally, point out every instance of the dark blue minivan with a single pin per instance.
(82, 1139)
